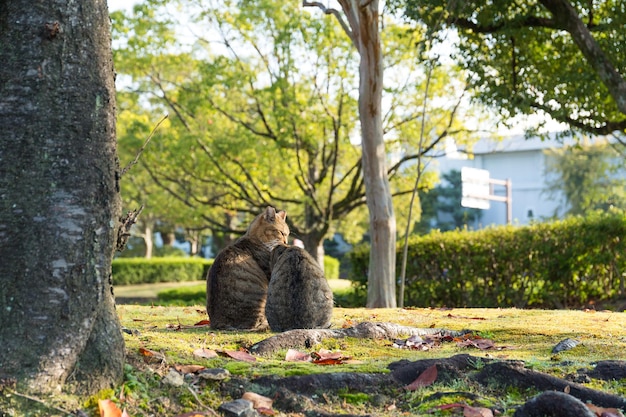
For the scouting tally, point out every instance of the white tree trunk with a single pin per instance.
(381, 289)
(148, 241)
(363, 28)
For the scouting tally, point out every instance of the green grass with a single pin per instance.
(194, 293)
(527, 335)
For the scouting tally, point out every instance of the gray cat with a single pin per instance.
(298, 296)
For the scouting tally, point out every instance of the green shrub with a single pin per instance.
(553, 265)
(331, 267)
(171, 269)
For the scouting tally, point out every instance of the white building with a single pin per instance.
(521, 160)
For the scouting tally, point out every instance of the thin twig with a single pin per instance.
(195, 395)
(37, 400)
(130, 165)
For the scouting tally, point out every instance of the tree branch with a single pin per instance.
(568, 18)
(334, 12)
(145, 143)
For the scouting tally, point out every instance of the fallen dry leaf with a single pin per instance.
(471, 340)
(425, 379)
(327, 354)
(258, 401)
(239, 355)
(151, 355)
(205, 353)
(469, 411)
(202, 323)
(604, 412)
(297, 356)
(266, 411)
(347, 324)
(327, 357)
(188, 369)
(109, 409)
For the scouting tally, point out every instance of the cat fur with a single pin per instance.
(299, 296)
(238, 279)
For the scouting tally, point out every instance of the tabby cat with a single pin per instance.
(237, 282)
(299, 296)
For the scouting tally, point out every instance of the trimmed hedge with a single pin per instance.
(550, 265)
(128, 271)
(170, 269)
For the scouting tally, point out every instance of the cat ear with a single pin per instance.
(270, 214)
(282, 214)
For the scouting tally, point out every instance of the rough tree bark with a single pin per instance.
(59, 196)
(363, 29)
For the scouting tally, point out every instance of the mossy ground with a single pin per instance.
(527, 335)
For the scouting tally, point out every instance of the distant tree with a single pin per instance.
(445, 199)
(586, 178)
(557, 57)
(273, 122)
(59, 197)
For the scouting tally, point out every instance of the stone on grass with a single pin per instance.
(214, 374)
(238, 408)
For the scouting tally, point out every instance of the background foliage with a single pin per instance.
(553, 265)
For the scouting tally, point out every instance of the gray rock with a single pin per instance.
(214, 374)
(565, 344)
(174, 379)
(238, 408)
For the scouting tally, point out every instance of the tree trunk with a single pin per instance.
(148, 240)
(59, 196)
(381, 289)
(362, 28)
(313, 243)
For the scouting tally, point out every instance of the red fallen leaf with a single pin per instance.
(202, 323)
(266, 411)
(188, 369)
(151, 355)
(205, 353)
(327, 354)
(347, 323)
(109, 409)
(297, 356)
(425, 379)
(148, 352)
(239, 355)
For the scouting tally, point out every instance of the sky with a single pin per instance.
(121, 4)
